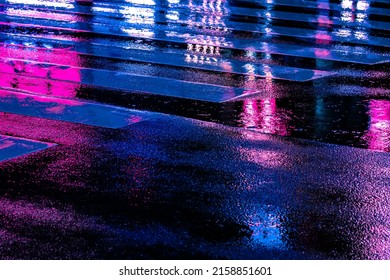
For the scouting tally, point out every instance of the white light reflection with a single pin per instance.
(362, 5)
(138, 15)
(347, 16)
(346, 4)
(140, 2)
(57, 4)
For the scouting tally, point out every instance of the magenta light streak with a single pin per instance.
(17, 61)
(264, 115)
(379, 125)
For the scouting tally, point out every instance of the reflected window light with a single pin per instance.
(347, 16)
(360, 17)
(173, 1)
(346, 4)
(361, 35)
(379, 126)
(344, 32)
(270, 1)
(173, 15)
(362, 5)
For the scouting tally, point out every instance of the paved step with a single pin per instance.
(73, 111)
(70, 55)
(12, 147)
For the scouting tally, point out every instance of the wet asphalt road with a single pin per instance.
(254, 129)
(209, 192)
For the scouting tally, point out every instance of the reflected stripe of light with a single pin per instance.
(140, 2)
(379, 126)
(38, 14)
(104, 10)
(268, 112)
(251, 113)
(361, 17)
(138, 32)
(138, 15)
(57, 4)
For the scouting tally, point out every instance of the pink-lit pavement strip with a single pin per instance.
(68, 110)
(11, 147)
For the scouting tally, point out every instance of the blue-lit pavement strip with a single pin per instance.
(321, 5)
(68, 110)
(140, 84)
(197, 27)
(356, 37)
(11, 147)
(346, 54)
(178, 59)
(224, 14)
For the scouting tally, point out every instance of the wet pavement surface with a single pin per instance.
(179, 129)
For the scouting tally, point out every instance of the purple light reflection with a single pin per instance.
(378, 135)
(265, 116)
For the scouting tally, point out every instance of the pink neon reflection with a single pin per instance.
(379, 127)
(20, 63)
(265, 116)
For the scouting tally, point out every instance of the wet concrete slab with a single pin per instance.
(174, 58)
(68, 110)
(11, 147)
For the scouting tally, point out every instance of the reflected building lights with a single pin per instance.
(354, 12)
(264, 116)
